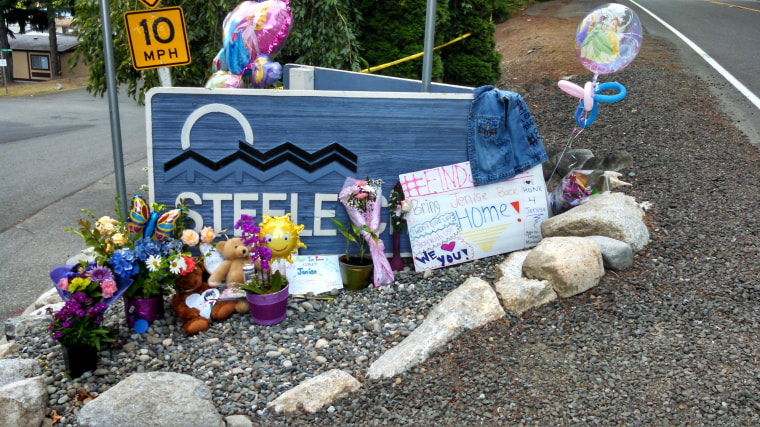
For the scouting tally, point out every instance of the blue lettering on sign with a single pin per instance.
(452, 252)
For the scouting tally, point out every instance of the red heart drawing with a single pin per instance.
(448, 246)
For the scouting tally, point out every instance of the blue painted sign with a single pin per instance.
(231, 152)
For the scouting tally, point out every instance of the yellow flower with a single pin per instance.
(79, 284)
(190, 237)
(119, 239)
(207, 235)
(106, 225)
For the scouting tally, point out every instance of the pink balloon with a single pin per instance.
(585, 93)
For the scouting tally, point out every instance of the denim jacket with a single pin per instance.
(502, 140)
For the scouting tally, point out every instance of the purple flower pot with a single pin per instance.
(148, 309)
(268, 309)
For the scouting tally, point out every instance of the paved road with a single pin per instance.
(56, 157)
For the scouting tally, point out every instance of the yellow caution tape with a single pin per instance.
(415, 56)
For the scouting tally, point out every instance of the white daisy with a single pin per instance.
(177, 265)
(153, 262)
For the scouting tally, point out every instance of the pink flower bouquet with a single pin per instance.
(361, 198)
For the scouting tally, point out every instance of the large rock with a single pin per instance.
(520, 294)
(153, 399)
(47, 298)
(12, 370)
(571, 264)
(512, 266)
(316, 392)
(23, 403)
(614, 215)
(471, 305)
(8, 348)
(616, 255)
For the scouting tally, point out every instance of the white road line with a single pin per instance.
(719, 68)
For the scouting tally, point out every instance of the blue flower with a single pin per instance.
(171, 247)
(125, 263)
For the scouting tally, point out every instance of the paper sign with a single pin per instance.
(451, 221)
(313, 273)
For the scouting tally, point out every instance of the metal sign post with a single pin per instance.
(427, 58)
(113, 104)
(4, 65)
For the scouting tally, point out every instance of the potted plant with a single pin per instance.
(361, 198)
(87, 290)
(398, 207)
(266, 291)
(355, 270)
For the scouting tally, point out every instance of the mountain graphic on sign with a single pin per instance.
(264, 165)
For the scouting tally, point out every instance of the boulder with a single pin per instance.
(315, 393)
(12, 370)
(23, 403)
(48, 297)
(613, 215)
(511, 267)
(520, 294)
(155, 399)
(471, 305)
(8, 348)
(238, 421)
(571, 264)
(616, 255)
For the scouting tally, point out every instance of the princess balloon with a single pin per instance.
(608, 38)
(252, 33)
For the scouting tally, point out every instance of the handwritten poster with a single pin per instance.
(313, 273)
(451, 221)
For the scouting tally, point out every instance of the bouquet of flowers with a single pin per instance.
(361, 198)
(87, 290)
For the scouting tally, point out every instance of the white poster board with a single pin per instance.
(313, 273)
(451, 221)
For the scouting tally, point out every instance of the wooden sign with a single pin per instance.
(233, 151)
(451, 221)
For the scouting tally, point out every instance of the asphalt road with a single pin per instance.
(56, 157)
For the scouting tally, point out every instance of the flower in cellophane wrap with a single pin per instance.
(361, 198)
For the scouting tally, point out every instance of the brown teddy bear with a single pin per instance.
(236, 255)
(192, 308)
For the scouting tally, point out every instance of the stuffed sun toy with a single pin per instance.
(281, 236)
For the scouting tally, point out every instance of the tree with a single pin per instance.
(322, 35)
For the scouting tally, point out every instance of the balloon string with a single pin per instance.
(573, 135)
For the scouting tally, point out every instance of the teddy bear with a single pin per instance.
(236, 255)
(193, 302)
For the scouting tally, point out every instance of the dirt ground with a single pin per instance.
(537, 46)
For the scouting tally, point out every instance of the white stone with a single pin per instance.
(7, 349)
(321, 343)
(616, 255)
(571, 264)
(238, 421)
(520, 294)
(23, 403)
(12, 370)
(42, 311)
(614, 215)
(512, 266)
(471, 305)
(47, 298)
(154, 398)
(316, 392)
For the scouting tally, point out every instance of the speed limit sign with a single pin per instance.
(157, 38)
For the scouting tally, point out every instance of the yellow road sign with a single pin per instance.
(157, 38)
(150, 3)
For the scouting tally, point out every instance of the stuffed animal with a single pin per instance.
(194, 302)
(236, 255)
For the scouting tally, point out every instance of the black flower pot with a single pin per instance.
(79, 359)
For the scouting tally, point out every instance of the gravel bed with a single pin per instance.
(671, 341)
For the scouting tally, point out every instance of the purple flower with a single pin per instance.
(100, 274)
(67, 323)
(79, 313)
(57, 335)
